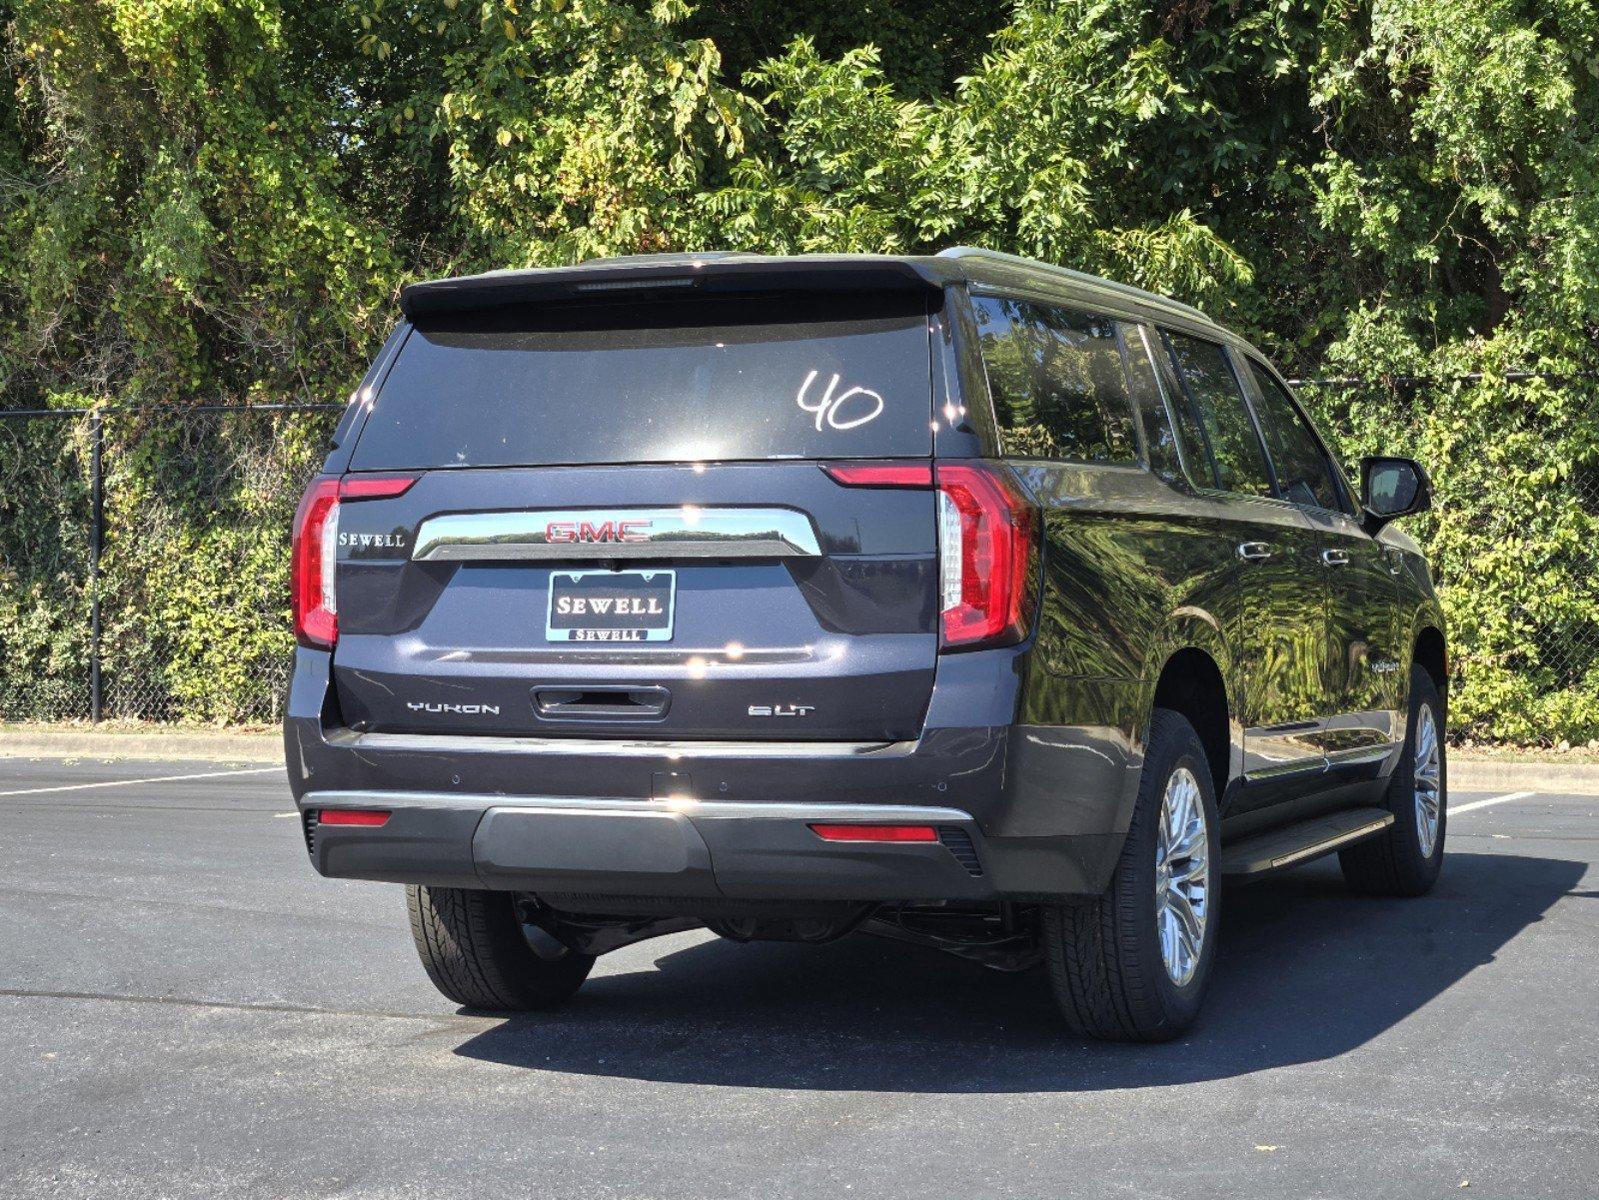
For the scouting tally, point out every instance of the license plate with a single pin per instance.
(611, 606)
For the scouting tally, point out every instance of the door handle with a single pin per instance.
(1254, 551)
(1335, 558)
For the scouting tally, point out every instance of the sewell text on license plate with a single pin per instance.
(611, 606)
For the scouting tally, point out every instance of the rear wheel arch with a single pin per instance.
(1191, 683)
(1430, 653)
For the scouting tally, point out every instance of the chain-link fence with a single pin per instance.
(144, 560)
(1563, 625)
(1514, 538)
(144, 565)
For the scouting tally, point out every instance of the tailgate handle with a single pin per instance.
(600, 702)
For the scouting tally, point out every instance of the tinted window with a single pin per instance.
(1225, 422)
(692, 381)
(1149, 394)
(1059, 387)
(1303, 472)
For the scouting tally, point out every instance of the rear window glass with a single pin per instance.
(1059, 387)
(693, 381)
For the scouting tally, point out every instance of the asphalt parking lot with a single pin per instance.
(186, 1009)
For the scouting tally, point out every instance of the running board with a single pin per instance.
(1299, 843)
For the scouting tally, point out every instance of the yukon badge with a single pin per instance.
(464, 710)
(781, 710)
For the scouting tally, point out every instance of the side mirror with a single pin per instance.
(1392, 487)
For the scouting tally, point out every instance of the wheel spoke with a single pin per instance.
(1192, 836)
(1187, 919)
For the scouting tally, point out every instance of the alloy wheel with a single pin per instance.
(1428, 777)
(1182, 876)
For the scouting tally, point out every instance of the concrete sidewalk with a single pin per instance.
(1467, 772)
(141, 741)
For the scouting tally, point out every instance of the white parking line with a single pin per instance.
(1456, 809)
(74, 787)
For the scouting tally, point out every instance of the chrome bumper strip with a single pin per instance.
(695, 810)
(618, 747)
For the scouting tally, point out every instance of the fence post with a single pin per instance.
(96, 525)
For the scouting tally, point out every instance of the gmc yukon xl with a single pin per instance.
(959, 599)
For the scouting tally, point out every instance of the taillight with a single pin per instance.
(986, 532)
(985, 550)
(316, 536)
(314, 551)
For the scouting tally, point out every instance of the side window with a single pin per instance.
(1219, 407)
(1303, 471)
(1168, 454)
(1057, 380)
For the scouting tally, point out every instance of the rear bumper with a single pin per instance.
(1044, 809)
(688, 849)
(714, 850)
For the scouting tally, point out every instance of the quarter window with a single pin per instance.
(1303, 473)
(1057, 379)
(1220, 411)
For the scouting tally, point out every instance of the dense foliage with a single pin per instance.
(210, 199)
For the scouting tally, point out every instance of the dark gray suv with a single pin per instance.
(960, 599)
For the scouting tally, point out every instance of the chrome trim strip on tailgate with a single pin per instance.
(694, 809)
(623, 747)
(612, 533)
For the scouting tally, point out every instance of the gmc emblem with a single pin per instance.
(565, 532)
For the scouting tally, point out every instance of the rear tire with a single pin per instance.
(1398, 862)
(1108, 962)
(472, 946)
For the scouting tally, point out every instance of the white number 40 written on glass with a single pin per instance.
(846, 410)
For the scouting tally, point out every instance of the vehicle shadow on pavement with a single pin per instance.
(1307, 971)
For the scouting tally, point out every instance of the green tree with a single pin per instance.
(208, 199)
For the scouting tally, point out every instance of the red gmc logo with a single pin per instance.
(566, 532)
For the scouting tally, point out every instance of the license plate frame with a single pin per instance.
(586, 627)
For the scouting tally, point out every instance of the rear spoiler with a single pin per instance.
(655, 275)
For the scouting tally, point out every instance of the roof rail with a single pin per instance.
(1153, 299)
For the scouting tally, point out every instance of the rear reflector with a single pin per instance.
(354, 816)
(876, 833)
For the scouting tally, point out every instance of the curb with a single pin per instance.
(1499, 775)
(172, 745)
